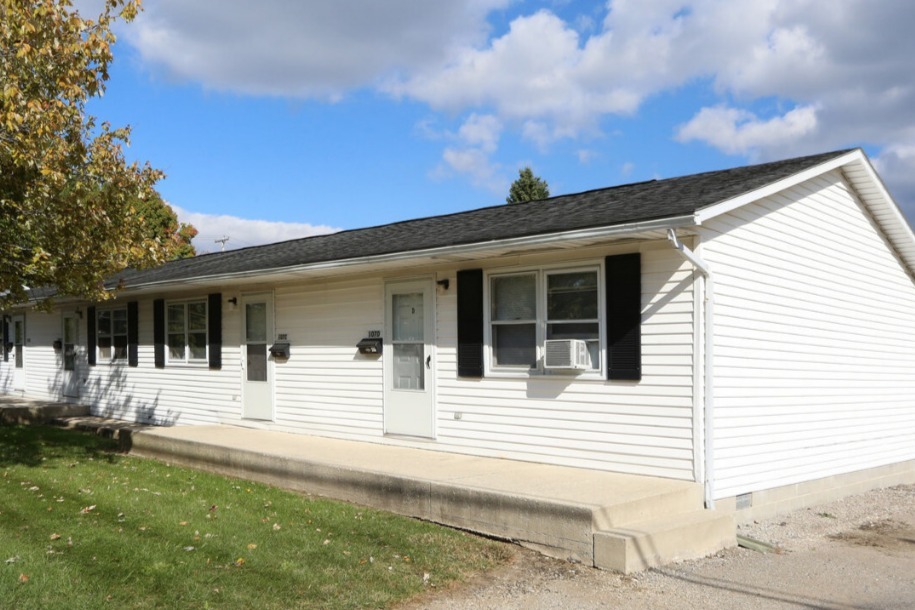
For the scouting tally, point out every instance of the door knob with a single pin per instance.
(429, 362)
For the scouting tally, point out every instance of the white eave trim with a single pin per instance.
(474, 248)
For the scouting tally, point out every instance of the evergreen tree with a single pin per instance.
(527, 187)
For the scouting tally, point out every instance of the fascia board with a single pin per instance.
(887, 214)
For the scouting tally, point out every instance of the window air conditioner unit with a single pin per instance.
(566, 354)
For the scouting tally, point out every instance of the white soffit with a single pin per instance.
(866, 183)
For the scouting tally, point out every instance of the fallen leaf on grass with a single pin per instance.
(55, 536)
(13, 559)
(189, 548)
(252, 546)
(276, 527)
(239, 562)
(87, 509)
(183, 523)
(23, 579)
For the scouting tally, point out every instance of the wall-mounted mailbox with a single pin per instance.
(58, 345)
(370, 345)
(280, 350)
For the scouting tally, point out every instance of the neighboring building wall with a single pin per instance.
(183, 394)
(814, 340)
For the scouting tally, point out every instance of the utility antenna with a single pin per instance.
(222, 241)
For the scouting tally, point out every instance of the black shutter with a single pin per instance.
(624, 316)
(214, 329)
(159, 332)
(90, 338)
(133, 334)
(470, 323)
(6, 338)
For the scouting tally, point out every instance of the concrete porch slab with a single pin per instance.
(560, 511)
(18, 410)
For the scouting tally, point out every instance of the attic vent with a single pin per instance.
(566, 354)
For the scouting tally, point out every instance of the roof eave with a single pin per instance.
(478, 248)
(728, 205)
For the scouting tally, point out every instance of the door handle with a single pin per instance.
(429, 362)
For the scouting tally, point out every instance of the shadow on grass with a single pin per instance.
(31, 445)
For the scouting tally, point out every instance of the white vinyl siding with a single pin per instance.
(327, 388)
(640, 428)
(814, 340)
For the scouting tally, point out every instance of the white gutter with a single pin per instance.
(709, 406)
(473, 248)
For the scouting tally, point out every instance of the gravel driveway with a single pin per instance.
(854, 553)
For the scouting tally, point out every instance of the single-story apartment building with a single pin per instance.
(751, 329)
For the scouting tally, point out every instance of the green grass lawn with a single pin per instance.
(82, 526)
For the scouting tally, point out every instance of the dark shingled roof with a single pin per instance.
(639, 202)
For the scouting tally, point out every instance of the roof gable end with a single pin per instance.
(865, 181)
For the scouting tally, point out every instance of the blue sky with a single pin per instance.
(285, 118)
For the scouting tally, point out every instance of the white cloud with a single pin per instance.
(243, 232)
(844, 73)
(737, 131)
(482, 131)
(302, 49)
(548, 79)
(475, 141)
(586, 155)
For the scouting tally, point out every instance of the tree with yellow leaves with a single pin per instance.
(68, 197)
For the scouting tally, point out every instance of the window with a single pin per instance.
(187, 331)
(112, 335)
(525, 309)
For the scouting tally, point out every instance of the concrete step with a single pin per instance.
(655, 503)
(662, 540)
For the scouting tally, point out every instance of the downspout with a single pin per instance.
(709, 406)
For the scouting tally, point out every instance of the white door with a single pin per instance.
(257, 367)
(18, 355)
(69, 351)
(409, 367)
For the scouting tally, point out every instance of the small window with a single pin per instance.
(514, 320)
(112, 335)
(187, 331)
(526, 309)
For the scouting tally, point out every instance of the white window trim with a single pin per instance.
(540, 272)
(98, 335)
(187, 360)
